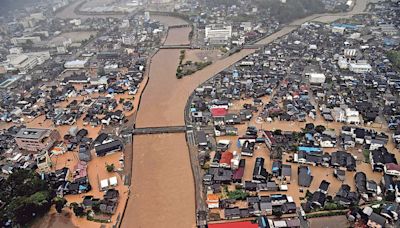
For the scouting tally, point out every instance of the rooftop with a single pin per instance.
(32, 133)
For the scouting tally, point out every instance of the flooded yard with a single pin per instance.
(329, 222)
(74, 36)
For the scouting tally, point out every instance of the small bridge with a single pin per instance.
(159, 130)
(178, 47)
(253, 46)
(180, 26)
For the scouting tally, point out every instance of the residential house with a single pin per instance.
(376, 221)
(323, 187)
(212, 201)
(226, 158)
(392, 169)
(286, 174)
(232, 213)
(304, 176)
(239, 172)
(109, 147)
(44, 163)
(260, 174)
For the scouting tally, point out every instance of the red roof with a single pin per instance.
(226, 158)
(218, 112)
(238, 174)
(246, 224)
(393, 166)
(269, 135)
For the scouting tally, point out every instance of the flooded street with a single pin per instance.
(329, 222)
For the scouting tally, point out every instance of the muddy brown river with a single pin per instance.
(162, 190)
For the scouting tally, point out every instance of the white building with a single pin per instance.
(147, 16)
(61, 50)
(124, 24)
(316, 78)
(23, 62)
(342, 63)
(25, 39)
(41, 56)
(75, 22)
(352, 116)
(360, 68)
(350, 52)
(128, 39)
(15, 51)
(337, 29)
(75, 64)
(218, 33)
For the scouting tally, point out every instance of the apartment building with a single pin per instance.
(36, 139)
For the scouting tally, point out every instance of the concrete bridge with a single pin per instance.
(178, 47)
(180, 26)
(253, 46)
(159, 130)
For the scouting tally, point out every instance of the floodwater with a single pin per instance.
(162, 190)
(329, 222)
(162, 182)
(178, 36)
(68, 12)
(169, 21)
(165, 96)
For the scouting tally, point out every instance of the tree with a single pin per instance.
(59, 203)
(25, 208)
(309, 127)
(238, 194)
(79, 211)
(320, 128)
(96, 207)
(25, 196)
(110, 167)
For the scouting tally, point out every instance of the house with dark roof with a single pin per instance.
(361, 183)
(247, 148)
(260, 174)
(323, 187)
(345, 197)
(388, 184)
(304, 176)
(221, 175)
(343, 159)
(109, 147)
(250, 186)
(318, 199)
(238, 173)
(376, 220)
(232, 213)
(391, 211)
(286, 174)
(380, 157)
